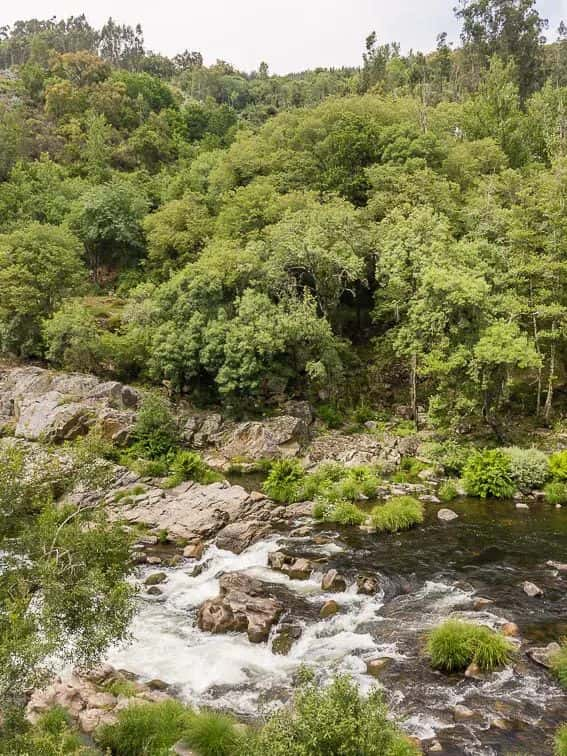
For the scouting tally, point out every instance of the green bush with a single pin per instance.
(556, 492)
(283, 481)
(335, 482)
(155, 432)
(399, 513)
(558, 465)
(560, 745)
(448, 491)
(52, 735)
(341, 512)
(454, 645)
(487, 473)
(330, 720)
(189, 465)
(147, 728)
(529, 468)
(212, 734)
(559, 664)
(330, 415)
(451, 455)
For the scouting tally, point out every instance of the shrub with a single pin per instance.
(341, 512)
(448, 491)
(556, 492)
(330, 415)
(529, 468)
(336, 483)
(155, 431)
(454, 645)
(332, 720)
(189, 465)
(451, 455)
(558, 465)
(399, 513)
(283, 481)
(52, 735)
(146, 728)
(560, 746)
(559, 664)
(212, 734)
(487, 473)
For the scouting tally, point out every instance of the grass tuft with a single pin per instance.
(399, 513)
(454, 645)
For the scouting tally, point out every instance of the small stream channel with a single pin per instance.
(427, 574)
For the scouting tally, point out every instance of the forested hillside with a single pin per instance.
(350, 235)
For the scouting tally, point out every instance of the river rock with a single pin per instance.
(473, 671)
(182, 749)
(328, 609)
(295, 568)
(462, 713)
(237, 536)
(367, 585)
(481, 603)
(375, 666)
(510, 629)
(543, 655)
(243, 605)
(155, 578)
(90, 719)
(559, 566)
(531, 589)
(333, 582)
(194, 550)
(153, 590)
(446, 515)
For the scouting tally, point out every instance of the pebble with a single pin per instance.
(446, 515)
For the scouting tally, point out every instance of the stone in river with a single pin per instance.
(333, 582)
(329, 608)
(446, 515)
(531, 589)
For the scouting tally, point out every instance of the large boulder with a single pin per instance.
(276, 438)
(244, 604)
(61, 406)
(194, 512)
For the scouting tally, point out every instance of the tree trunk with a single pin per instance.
(413, 390)
(550, 379)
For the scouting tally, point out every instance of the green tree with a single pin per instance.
(40, 265)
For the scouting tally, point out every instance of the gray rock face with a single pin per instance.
(243, 605)
(60, 406)
(360, 449)
(195, 512)
(237, 536)
(276, 438)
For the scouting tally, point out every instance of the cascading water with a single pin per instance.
(426, 575)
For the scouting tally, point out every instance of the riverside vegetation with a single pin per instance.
(386, 242)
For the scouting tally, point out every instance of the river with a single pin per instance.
(426, 574)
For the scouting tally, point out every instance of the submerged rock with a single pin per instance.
(367, 585)
(244, 605)
(446, 515)
(328, 609)
(155, 578)
(375, 666)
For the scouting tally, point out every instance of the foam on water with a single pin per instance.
(167, 644)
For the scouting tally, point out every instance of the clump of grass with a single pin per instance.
(212, 734)
(146, 728)
(340, 512)
(560, 743)
(448, 491)
(399, 513)
(556, 492)
(283, 481)
(454, 645)
(121, 687)
(559, 664)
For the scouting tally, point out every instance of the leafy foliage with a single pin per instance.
(529, 468)
(488, 473)
(559, 664)
(561, 741)
(284, 480)
(336, 719)
(155, 432)
(558, 465)
(556, 492)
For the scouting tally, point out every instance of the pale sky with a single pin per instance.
(291, 35)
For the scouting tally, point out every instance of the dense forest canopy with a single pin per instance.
(335, 233)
